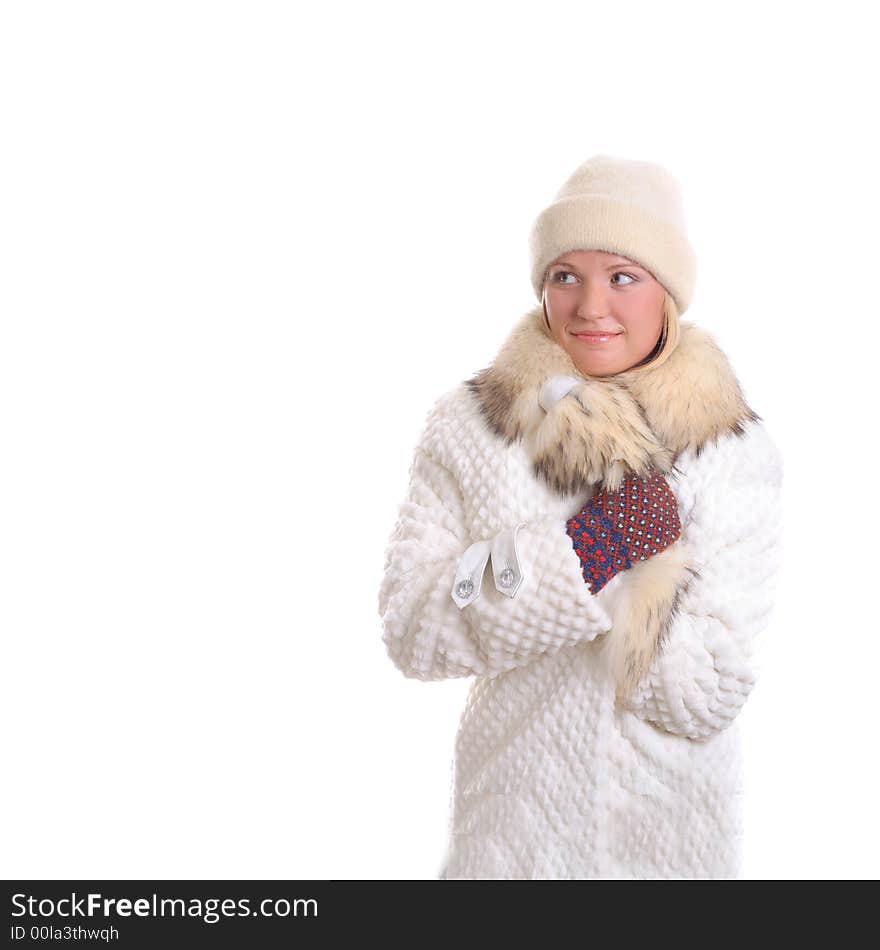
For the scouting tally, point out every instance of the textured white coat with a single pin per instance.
(552, 778)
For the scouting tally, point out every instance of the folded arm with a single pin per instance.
(429, 635)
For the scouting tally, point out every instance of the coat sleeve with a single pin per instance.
(427, 635)
(708, 666)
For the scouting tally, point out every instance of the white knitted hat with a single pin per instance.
(623, 206)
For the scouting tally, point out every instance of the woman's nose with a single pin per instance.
(594, 301)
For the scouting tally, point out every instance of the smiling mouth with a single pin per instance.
(596, 337)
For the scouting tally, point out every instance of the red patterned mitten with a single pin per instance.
(616, 529)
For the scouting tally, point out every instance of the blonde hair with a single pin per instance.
(667, 342)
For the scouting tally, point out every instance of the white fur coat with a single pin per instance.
(559, 772)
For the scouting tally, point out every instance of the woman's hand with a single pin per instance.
(615, 529)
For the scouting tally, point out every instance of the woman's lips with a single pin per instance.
(596, 337)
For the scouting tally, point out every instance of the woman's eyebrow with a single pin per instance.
(609, 267)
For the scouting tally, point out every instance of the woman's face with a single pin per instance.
(592, 292)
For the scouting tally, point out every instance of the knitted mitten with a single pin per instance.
(616, 529)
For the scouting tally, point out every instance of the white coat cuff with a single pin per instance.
(506, 566)
(469, 573)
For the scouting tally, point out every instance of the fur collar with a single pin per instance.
(609, 425)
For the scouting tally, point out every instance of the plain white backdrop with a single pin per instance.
(243, 248)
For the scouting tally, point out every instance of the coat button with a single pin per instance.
(465, 588)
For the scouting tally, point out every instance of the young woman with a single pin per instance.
(624, 497)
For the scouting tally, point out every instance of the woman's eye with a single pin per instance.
(560, 277)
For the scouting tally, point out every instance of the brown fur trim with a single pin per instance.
(642, 614)
(694, 397)
(594, 435)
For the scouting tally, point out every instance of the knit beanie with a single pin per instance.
(628, 207)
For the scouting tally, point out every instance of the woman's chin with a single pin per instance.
(601, 367)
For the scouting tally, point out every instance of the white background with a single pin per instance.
(244, 247)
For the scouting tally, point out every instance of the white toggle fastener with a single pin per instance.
(469, 573)
(556, 388)
(505, 562)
